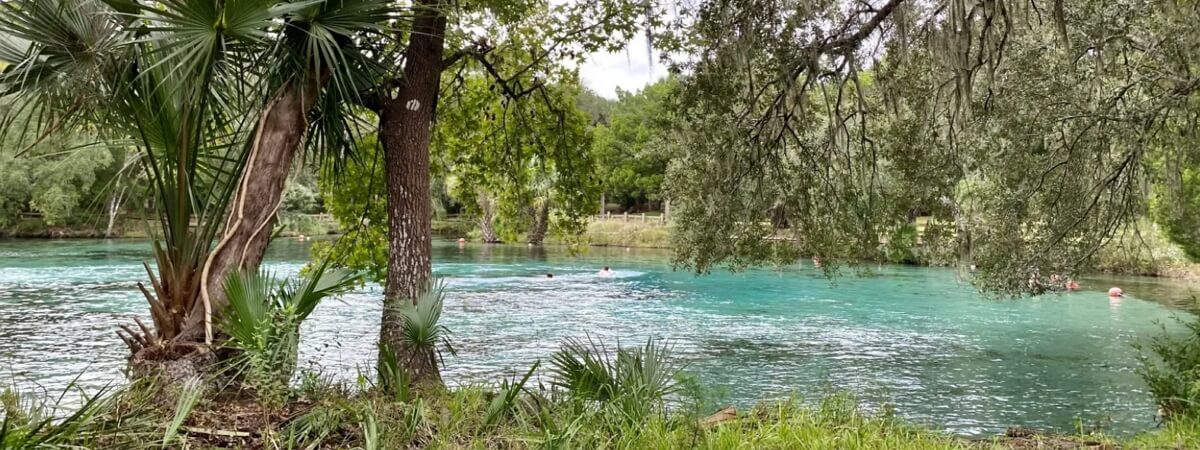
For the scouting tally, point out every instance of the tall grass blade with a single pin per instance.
(507, 397)
(189, 396)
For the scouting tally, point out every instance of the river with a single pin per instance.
(919, 339)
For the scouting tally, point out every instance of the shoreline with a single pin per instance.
(604, 233)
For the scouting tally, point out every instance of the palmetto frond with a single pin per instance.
(422, 326)
(264, 315)
(635, 378)
(189, 81)
(62, 60)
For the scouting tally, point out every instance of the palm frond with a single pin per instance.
(264, 316)
(636, 377)
(188, 398)
(422, 329)
(304, 296)
(250, 308)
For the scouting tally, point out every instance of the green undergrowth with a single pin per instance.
(506, 415)
(306, 224)
(632, 233)
(333, 416)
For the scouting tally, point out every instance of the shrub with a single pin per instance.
(638, 381)
(263, 321)
(1172, 372)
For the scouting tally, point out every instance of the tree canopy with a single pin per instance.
(632, 146)
(1034, 116)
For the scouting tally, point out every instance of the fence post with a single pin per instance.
(643, 217)
(625, 216)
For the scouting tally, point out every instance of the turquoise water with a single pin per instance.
(920, 339)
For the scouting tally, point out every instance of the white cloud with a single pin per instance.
(629, 70)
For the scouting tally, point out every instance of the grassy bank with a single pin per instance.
(1149, 253)
(632, 233)
(328, 415)
(36, 228)
(322, 414)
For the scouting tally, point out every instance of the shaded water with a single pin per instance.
(918, 338)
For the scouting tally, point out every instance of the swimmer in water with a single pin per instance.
(606, 272)
(549, 275)
(1072, 285)
(1116, 292)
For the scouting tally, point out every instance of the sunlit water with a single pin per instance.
(919, 339)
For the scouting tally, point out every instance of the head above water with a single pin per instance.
(1115, 292)
(549, 275)
(606, 269)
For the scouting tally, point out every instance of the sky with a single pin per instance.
(630, 69)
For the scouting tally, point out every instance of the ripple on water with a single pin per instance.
(916, 338)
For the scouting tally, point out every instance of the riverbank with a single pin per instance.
(511, 414)
(1148, 254)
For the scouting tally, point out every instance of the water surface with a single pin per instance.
(920, 339)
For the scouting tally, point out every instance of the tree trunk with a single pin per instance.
(487, 218)
(255, 203)
(405, 131)
(541, 222)
(779, 219)
(114, 209)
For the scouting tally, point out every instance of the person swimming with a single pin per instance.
(1116, 292)
(1072, 285)
(606, 272)
(549, 275)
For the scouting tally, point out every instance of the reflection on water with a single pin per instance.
(916, 338)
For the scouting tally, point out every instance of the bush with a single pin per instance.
(1145, 251)
(298, 198)
(638, 380)
(1172, 370)
(263, 321)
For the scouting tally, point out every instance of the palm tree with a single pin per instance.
(217, 95)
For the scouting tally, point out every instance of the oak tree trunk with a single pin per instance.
(405, 129)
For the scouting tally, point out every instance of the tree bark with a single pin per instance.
(541, 222)
(487, 218)
(114, 209)
(405, 129)
(253, 210)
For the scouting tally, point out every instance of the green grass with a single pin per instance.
(307, 224)
(330, 415)
(466, 418)
(1176, 434)
(634, 233)
(1148, 252)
